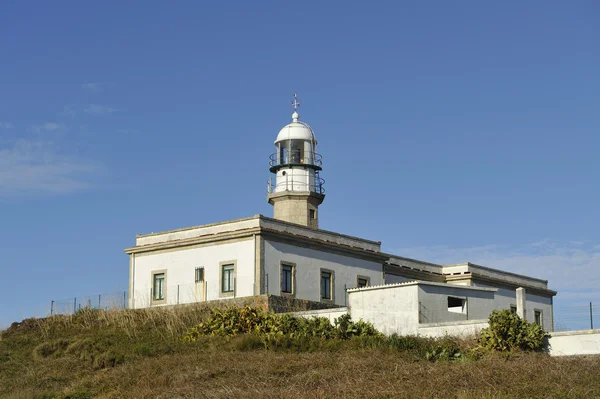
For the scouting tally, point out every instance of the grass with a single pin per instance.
(139, 354)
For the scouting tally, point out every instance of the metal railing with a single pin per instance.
(113, 300)
(570, 317)
(309, 158)
(291, 185)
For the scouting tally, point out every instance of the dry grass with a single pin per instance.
(127, 354)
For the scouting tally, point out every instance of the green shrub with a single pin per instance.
(507, 332)
(270, 327)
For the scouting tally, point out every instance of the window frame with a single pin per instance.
(291, 265)
(331, 285)
(222, 265)
(541, 312)
(366, 278)
(463, 305)
(153, 299)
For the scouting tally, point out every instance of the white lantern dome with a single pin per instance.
(296, 130)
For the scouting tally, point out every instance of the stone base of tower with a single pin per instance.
(297, 207)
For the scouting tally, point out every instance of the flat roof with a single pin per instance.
(255, 223)
(420, 282)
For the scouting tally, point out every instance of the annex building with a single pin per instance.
(289, 256)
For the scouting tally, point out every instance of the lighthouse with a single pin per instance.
(296, 190)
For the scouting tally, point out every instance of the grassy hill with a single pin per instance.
(140, 354)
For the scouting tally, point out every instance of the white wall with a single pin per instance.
(458, 329)
(330, 314)
(308, 270)
(390, 308)
(574, 343)
(181, 264)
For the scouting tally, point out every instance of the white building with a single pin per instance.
(289, 256)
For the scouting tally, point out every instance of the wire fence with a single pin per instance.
(577, 317)
(431, 310)
(110, 301)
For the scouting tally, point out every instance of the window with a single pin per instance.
(312, 214)
(287, 278)
(227, 278)
(199, 274)
(326, 285)
(362, 281)
(456, 305)
(513, 309)
(537, 314)
(158, 286)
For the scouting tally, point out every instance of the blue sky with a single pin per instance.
(451, 132)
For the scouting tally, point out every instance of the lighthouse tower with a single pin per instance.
(297, 190)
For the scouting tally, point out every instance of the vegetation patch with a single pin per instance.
(508, 332)
(235, 321)
(140, 353)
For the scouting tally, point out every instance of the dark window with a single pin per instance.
(513, 309)
(455, 305)
(286, 278)
(199, 274)
(325, 285)
(363, 282)
(538, 317)
(227, 278)
(312, 213)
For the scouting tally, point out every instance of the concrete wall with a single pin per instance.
(309, 263)
(514, 278)
(393, 279)
(568, 343)
(469, 328)
(197, 231)
(390, 308)
(321, 235)
(506, 297)
(330, 314)
(415, 264)
(433, 303)
(180, 268)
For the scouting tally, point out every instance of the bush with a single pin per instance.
(271, 327)
(507, 332)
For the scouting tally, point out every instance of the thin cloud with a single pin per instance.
(127, 131)
(99, 110)
(35, 167)
(6, 125)
(47, 127)
(69, 110)
(94, 86)
(571, 268)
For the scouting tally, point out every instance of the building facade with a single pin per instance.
(288, 255)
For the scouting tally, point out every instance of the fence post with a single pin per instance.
(51, 308)
(345, 295)
(124, 299)
(74, 305)
(591, 317)
(99, 301)
(267, 277)
(178, 294)
(467, 306)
